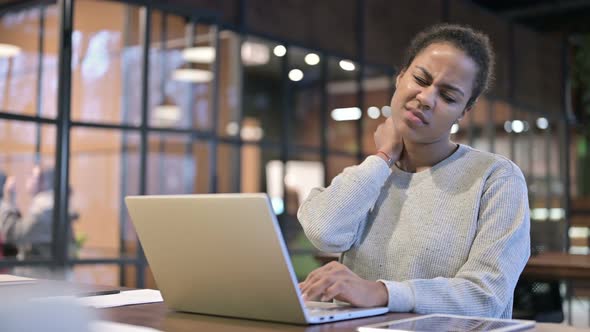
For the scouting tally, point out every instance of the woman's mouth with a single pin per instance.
(416, 118)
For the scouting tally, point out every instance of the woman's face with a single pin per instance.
(432, 93)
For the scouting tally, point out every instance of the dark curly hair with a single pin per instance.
(474, 43)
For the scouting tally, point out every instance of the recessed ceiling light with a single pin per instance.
(8, 50)
(374, 112)
(192, 75)
(199, 54)
(295, 75)
(280, 50)
(542, 123)
(347, 65)
(312, 59)
(346, 114)
(255, 54)
(517, 126)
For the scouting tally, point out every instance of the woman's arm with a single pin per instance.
(332, 217)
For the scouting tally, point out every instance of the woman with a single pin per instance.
(425, 225)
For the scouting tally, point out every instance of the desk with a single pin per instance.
(158, 316)
(558, 266)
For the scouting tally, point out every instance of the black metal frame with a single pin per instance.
(64, 123)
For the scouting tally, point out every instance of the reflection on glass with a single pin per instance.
(19, 62)
(230, 73)
(176, 165)
(26, 185)
(342, 90)
(473, 129)
(299, 178)
(522, 142)
(378, 87)
(502, 119)
(228, 168)
(112, 157)
(106, 62)
(337, 163)
(262, 87)
(181, 79)
(305, 93)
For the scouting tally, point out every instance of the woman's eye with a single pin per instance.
(448, 98)
(420, 81)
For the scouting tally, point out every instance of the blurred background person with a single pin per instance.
(6, 249)
(31, 232)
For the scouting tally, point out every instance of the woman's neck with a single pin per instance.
(417, 157)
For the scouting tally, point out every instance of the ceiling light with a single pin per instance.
(295, 75)
(374, 112)
(192, 75)
(280, 50)
(347, 65)
(517, 126)
(346, 114)
(8, 51)
(166, 115)
(200, 54)
(454, 128)
(386, 111)
(542, 123)
(255, 54)
(508, 126)
(312, 59)
(251, 133)
(232, 128)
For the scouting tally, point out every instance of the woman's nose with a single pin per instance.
(426, 97)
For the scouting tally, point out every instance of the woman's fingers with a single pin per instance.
(316, 283)
(333, 291)
(317, 289)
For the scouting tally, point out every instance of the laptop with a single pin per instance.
(223, 254)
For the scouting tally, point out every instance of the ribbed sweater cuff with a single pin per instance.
(401, 296)
(378, 165)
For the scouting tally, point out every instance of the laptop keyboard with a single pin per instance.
(325, 308)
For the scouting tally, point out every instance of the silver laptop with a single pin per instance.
(223, 254)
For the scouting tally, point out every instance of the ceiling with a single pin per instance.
(571, 17)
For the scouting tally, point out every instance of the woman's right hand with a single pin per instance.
(388, 139)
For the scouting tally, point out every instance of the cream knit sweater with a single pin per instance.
(451, 239)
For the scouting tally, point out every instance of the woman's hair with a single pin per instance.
(475, 44)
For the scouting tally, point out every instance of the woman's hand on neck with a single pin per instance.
(417, 157)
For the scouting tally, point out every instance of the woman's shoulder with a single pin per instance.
(495, 165)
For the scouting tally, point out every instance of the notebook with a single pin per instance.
(223, 254)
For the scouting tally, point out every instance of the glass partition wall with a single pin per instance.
(155, 103)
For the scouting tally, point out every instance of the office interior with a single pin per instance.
(181, 97)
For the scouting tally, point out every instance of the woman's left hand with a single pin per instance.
(336, 281)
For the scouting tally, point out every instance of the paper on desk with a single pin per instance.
(7, 279)
(104, 326)
(139, 296)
